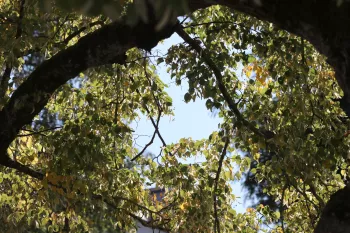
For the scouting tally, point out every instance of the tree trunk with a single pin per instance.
(335, 217)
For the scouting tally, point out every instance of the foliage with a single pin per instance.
(281, 130)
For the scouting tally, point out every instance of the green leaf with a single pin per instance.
(187, 97)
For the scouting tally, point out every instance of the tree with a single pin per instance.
(72, 83)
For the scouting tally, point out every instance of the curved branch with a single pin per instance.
(315, 21)
(154, 123)
(106, 45)
(219, 78)
(216, 182)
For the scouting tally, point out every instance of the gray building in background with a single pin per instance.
(158, 194)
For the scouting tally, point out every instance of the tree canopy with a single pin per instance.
(76, 75)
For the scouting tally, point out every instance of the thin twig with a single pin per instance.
(282, 207)
(303, 194)
(149, 143)
(156, 100)
(221, 22)
(37, 132)
(313, 191)
(151, 118)
(40, 176)
(80, 30)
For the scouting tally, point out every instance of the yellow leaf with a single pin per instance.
(343, 172)
(29, 142)
(21, 203)
(183, 206)
(258, 71)
(260, 75)
(256, 156)
(35, 161)
(248, 70)
(248, 73)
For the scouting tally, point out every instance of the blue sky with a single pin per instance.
(191, 120)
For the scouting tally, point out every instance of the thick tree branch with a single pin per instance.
(4, 81)
(325, 24)
(40, 176)
(315, 21)
(104, 46)
(21, 168)
(335, 216)
(322, 23)
(20, 19)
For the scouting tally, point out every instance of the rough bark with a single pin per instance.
(105, 46)
(322, 23)
(335, 217)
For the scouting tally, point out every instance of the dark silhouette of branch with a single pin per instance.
(38, 132)
(219, 78)
(315, 21)
(150, 142)
(40, 176)
(109, 44)
(335, 217)
(5, 80)
(149, 223)
(21, 168)
(216, 182)
(313, 191)
(302, 193)
(20, 19)
(104, 46)
(151, 118)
